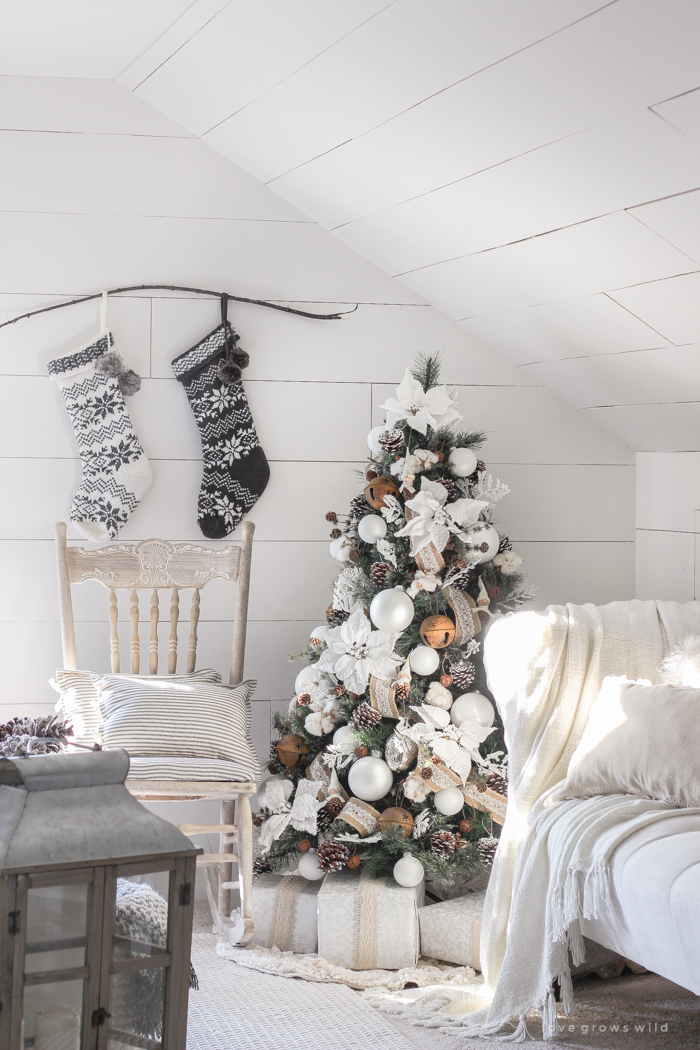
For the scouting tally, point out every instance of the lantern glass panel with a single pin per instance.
(56, 927)
(137, 1002)
(52, 1015)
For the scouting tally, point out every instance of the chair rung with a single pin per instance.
(230, 885)
(206, 829)
(231, 840)
(207, 859)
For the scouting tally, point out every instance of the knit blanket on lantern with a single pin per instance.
(545, 671)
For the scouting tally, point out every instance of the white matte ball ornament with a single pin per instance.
(424, 659)
(373, 439)
(344, 735)
(370, 778)
(391, 611)
(487, 535)
(371, 528)
(308, 866)
(462, 462)
(448, 801)
(306, 679)
(408, 871)
(473, 707)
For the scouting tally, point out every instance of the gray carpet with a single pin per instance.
(239, 1009)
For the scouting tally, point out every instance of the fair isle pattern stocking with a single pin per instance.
(235, 468)
(115, 472)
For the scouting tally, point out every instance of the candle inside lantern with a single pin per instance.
(57, 1028)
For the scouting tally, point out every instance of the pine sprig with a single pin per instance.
(427, 370)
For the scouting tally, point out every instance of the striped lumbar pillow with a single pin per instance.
(78, 698)
(179, 720)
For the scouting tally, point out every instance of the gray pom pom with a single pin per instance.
(241, 357)
(129, 382)
(229, 373)
(110, 364)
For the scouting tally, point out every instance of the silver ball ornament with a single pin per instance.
(391, 611)
(370, 778)
(373, 439)
(400, 752)
(344, 735)
(484, 535)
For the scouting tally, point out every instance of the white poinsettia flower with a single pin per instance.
(420, 408)
(355, 652)
(434, 520)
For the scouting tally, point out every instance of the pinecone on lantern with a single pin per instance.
(463, 674)
(486, 848)
(365, 717)
(443, 843)
(328, 813)
(378, 574)
(358, 506)
(331, 856)
(497, 783)
(392, 441)
(261, 866)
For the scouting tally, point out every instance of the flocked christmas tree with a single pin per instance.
(391, 745)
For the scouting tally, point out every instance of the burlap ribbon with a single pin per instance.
(441, 777)
(429, 559)
(367, 896)
(381, 695)
(467, 619)
(360, 816)
(284, 911)
(488, 801)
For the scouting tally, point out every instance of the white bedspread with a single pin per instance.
(654, 913)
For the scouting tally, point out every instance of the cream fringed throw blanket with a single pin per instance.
(545, 671)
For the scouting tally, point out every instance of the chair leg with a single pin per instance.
(244, 824)
(225, 870)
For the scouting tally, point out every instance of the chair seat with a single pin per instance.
(194, 769)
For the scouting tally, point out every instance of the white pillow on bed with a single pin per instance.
(78, 697)
(188, 720)
(640, 739)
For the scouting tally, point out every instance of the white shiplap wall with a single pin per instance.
(98, 189)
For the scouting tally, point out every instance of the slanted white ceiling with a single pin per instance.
(531, 167)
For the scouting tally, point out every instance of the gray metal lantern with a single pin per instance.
(97, 903)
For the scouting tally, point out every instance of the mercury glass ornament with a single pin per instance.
(400, 752)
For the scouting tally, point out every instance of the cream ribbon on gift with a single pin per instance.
(284, 911)
(302, 814)
(367, 897)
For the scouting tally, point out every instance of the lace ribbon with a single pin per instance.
(284, 911)
(429, 558)
(489, 801)
(360, 816)
(441, 777)
(467, 621)
(367, 897)
(381, 695)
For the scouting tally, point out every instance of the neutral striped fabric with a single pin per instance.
(210, 769)
(189, 720)
(78, 698)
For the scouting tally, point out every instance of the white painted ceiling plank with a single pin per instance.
(671, 307)
(652, 428)
(683, 113)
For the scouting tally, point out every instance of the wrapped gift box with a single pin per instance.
(450, 930)
(366, 923)
(284, 908)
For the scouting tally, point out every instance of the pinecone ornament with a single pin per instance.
(497, 783)
(359, 506)
(486, 848)
(504, 545)
(261, 866)
(443, 843)
(453, 492)
(463, 674)
(378, 574)
(392, 441)
(328, 813)
(365, 717)
(332, 856)
(334, 617)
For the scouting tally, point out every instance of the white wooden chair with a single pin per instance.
(157, 565)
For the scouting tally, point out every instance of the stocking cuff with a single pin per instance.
(193, 361)
(85, 355)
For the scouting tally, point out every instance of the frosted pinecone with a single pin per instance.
(358, 506)
(443, 843)
(378, 574)
(497, 783)
(331, 856)
(365, 717)
(504, 545)
(486, 848)
(334, 617)
(392, 441)
(463, 674)
(328, 813)
(453, 491)
(261, 866)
